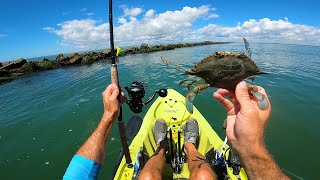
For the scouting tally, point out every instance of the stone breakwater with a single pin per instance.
(21, 67)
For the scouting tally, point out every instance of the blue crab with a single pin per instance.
(221, 70)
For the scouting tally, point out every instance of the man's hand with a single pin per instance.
(245, 121)
(111, 103)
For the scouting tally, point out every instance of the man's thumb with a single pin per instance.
(242, 94)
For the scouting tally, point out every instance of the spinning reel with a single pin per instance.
(136, 93)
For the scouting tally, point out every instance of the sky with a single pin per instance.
(36, 28)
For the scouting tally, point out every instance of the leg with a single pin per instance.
(186, 80)
(193, 82)
(154, 167)
(192, 94)
(263, 103)
(198, 166)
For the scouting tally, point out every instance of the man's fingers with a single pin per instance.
(223, 101)
(114, 91)
(225, 92)
(107, 93)
(242, 94)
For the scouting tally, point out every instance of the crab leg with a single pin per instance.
(193, 82)
(263, 103)
(192, 94)
(186, 80)
(170, 64)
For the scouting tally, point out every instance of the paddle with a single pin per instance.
(115, 80)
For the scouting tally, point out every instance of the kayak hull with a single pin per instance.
(173, 110)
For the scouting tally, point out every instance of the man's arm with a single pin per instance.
(245, 131)
(87, 162)
(259, 164)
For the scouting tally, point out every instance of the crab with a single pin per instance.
(221, 70)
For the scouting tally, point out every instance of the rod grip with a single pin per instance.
(114, 74)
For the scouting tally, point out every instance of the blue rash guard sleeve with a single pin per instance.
(82, 168)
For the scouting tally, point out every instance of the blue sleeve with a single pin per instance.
(82, 168)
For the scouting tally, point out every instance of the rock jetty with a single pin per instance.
(15, 69)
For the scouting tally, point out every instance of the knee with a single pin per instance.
(202, 174)
(149, 175)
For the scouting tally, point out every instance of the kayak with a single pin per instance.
(172, 109)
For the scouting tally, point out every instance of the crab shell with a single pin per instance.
(225, 69)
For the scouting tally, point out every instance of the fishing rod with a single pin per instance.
(115, 80)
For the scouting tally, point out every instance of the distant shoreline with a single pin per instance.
(11, 70)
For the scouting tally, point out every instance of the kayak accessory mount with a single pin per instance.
(136, 93)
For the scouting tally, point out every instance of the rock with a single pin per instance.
(73, 55)
(91, 53)
(0, 64)
(107, 52)
(45, 60)
(74, 60)
(5, 79)
(144, 46)
(13, 65)
(4, 73)
(46, 64)
(60, 58)
(27, 68)
(87, 59)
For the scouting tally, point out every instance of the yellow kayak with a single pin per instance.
(173, 110)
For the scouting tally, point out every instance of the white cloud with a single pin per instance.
(66, 13)
(177, 26)
(3, 35)
(213, 16)
(83, 10)
(132, 12)
(150, 13)
(82, 34)
(50, 29)
(89, 14)
(266, 30)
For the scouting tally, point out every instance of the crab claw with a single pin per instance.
(263, 103)
(189, 98)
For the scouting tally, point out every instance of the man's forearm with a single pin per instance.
(94, 148)
(259, 164)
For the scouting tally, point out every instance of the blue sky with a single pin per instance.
(38, 28)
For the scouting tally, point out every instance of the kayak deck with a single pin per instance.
(173, 110)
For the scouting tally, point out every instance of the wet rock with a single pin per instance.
(13, 65)
(60, 57)
(46, 64)
(86, 60)
(107, 52)
(6, 79)
(75, 60)
(72, 59)
(27, 68)
(144, 46)
(4, 73)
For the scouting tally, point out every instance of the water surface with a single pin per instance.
(46, 117)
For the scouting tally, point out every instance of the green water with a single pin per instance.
(46, 117)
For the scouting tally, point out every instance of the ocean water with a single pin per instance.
(44, 118)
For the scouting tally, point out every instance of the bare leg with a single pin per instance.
(198, 167)
(155, 165)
